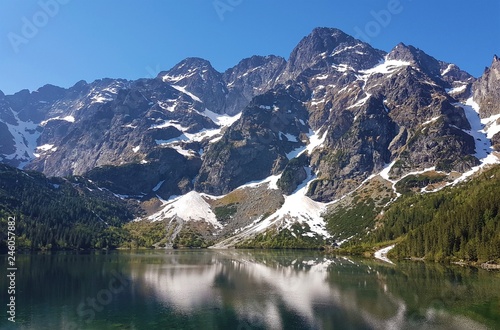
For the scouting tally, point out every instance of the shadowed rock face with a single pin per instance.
(486, 90)
(192, 127)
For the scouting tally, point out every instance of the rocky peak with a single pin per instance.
(325, 47)
(486, 90)
(442, 73)
(402, 52)
(186, 67)
(251, 64)
(417, 58)
(197, 78)
(250, 77)
(50, 92)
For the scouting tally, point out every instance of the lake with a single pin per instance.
(241, 289)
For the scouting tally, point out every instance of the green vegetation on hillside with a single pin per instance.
(418, 181)
(59, 213)
(460, 222)
(144, 234)
(298, 236)
(349, 222)
(72, 213)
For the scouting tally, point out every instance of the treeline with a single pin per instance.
(460, 222)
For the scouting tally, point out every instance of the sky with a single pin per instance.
(61, 42)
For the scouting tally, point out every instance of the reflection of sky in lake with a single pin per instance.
(265, 289)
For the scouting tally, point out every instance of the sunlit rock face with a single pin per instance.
(312, 128)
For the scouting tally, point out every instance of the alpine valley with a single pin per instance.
(340, 144)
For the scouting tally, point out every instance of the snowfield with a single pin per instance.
(189, 207)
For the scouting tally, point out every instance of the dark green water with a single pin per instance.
(205, 289)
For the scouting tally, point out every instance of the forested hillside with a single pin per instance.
(460, 222)
(60, 213)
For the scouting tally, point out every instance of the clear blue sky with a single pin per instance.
(132, 39)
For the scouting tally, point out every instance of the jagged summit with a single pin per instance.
(188, 66)
(326, 46)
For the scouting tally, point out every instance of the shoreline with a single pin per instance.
(382, 254)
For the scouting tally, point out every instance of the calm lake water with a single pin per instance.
(239, 289)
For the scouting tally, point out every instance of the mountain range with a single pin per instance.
(271, 145)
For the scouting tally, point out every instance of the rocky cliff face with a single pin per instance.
(487, 90)
(321, 123)
(257, 145)
(251, 77)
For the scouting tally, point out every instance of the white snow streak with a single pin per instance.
(69, 119)
(183, 90)
(387, 66)
(315, 140)
(382, 254)
(158, 186)
(455, 90)
(221, 120)
(297, 208)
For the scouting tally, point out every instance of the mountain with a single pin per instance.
(271, 146)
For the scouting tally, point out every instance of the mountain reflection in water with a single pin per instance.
(246, 289)
(321, 292)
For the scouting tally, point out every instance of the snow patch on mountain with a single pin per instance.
(168, 123)
(270, 180)
(174, 79)
(288, 136)
(185, 152)
(361, 101)
(25, 136)
(44, 149)
(158, 186)
(183, 90)
(456, 90)
(101, 99)
(491, 125)
(433, 119)
(483, 143)
(296, 208)
(189, 207)
(69, 119)
(221, 120)
(448, 69)
(315, 140)
(386, 67)
(296, 152)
